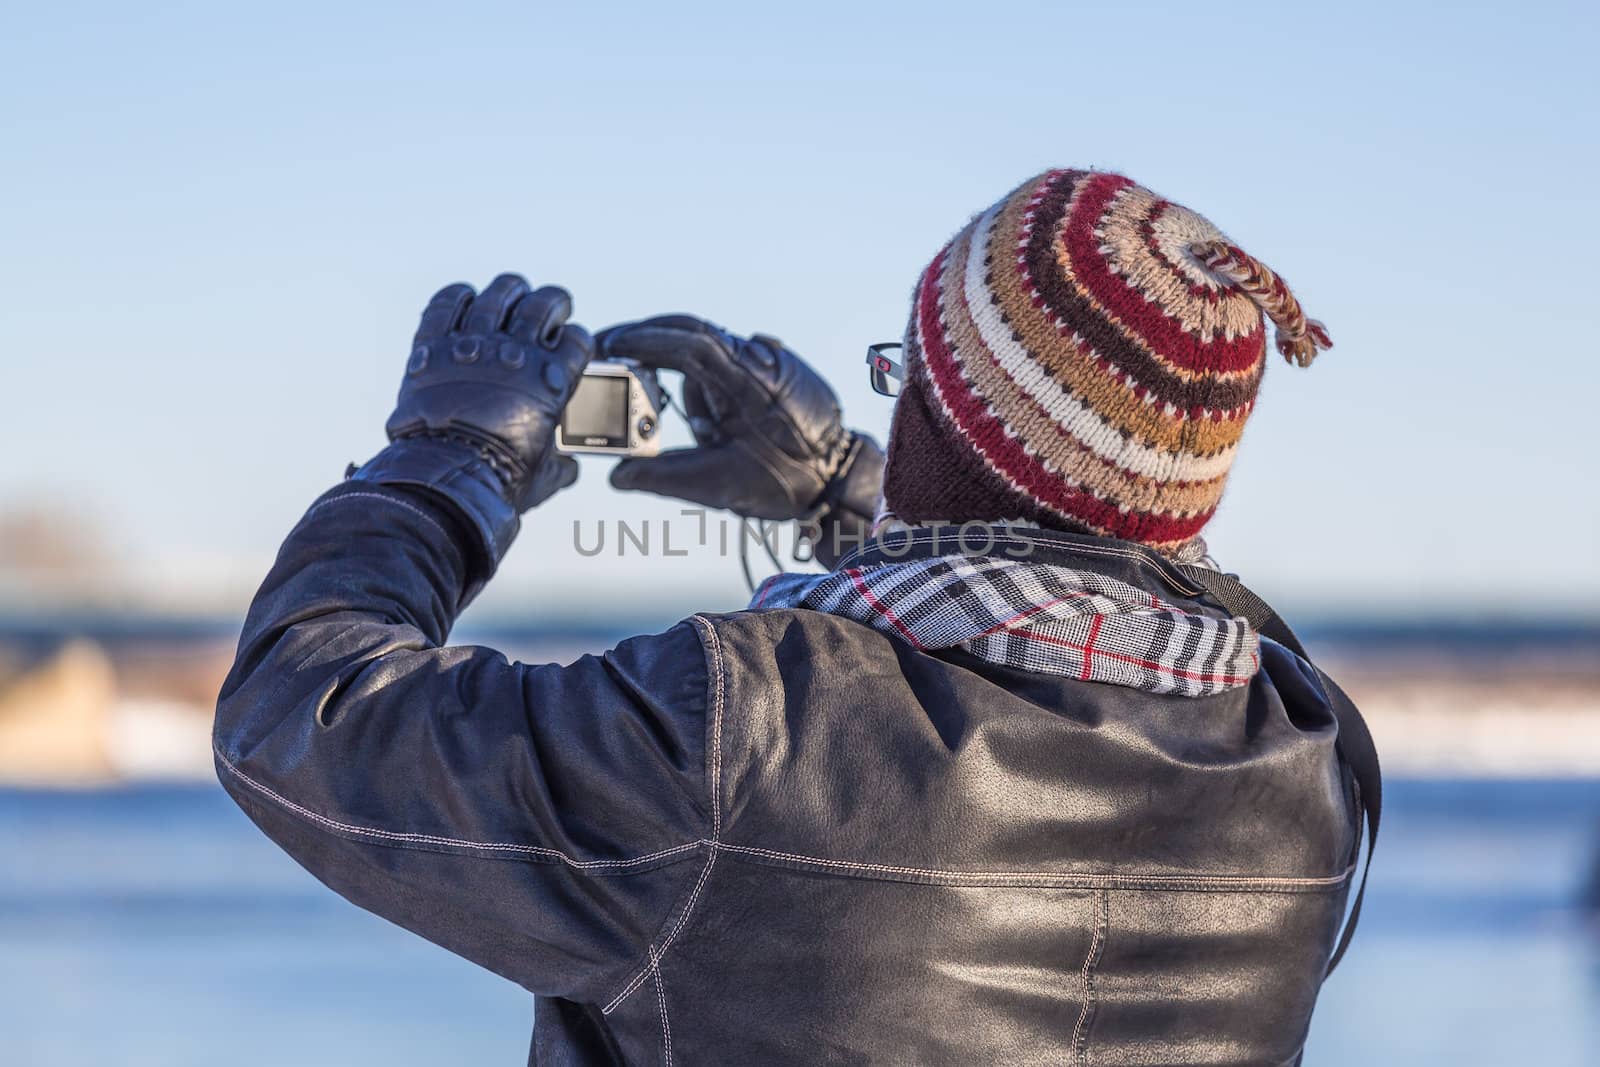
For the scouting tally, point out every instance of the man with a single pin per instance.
(1051, 800)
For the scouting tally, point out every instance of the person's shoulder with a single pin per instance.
(786, 637)
(706, 646)
(772, 621)
(677, 648)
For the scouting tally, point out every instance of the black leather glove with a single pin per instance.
(769, 443)
(488, 377)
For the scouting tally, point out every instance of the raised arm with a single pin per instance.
(539, 820)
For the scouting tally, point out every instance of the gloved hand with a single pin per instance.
(488, 377)
(769, 443)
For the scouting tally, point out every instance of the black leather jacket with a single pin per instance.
(782, 837)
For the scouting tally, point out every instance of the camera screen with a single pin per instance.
(598, 410)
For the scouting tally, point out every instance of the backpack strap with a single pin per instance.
(1355, 740)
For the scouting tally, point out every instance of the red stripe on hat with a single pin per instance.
(1004, 453)
(1051, 418)
(1159, 330)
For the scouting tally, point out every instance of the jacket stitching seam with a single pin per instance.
(1107, 881)
(713, 644)
(661, 1002)
(683, 917)
(405, 838)
(1091, 959)
(713, 647)
(423, 515)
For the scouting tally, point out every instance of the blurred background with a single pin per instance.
(220, 223)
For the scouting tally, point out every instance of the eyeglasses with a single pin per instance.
(884, 368)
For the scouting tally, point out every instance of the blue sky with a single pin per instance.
(220, 222)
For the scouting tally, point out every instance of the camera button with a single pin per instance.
(647, 426)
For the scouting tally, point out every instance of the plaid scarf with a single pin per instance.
(1036, 616)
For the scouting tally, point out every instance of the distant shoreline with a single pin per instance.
(89, 700)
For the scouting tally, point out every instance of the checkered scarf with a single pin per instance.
(1035, 616)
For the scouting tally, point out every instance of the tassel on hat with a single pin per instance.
(1297, 337)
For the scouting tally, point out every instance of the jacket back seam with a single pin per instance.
(661, 1003)
(1091, 960)
(1042, 879)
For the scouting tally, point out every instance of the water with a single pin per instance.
(156, 926)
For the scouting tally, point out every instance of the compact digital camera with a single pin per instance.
(615, 411)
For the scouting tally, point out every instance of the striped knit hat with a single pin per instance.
(1084, 356)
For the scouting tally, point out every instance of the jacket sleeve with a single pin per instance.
(541, 821)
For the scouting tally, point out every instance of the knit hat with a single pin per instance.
(1084, 356)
